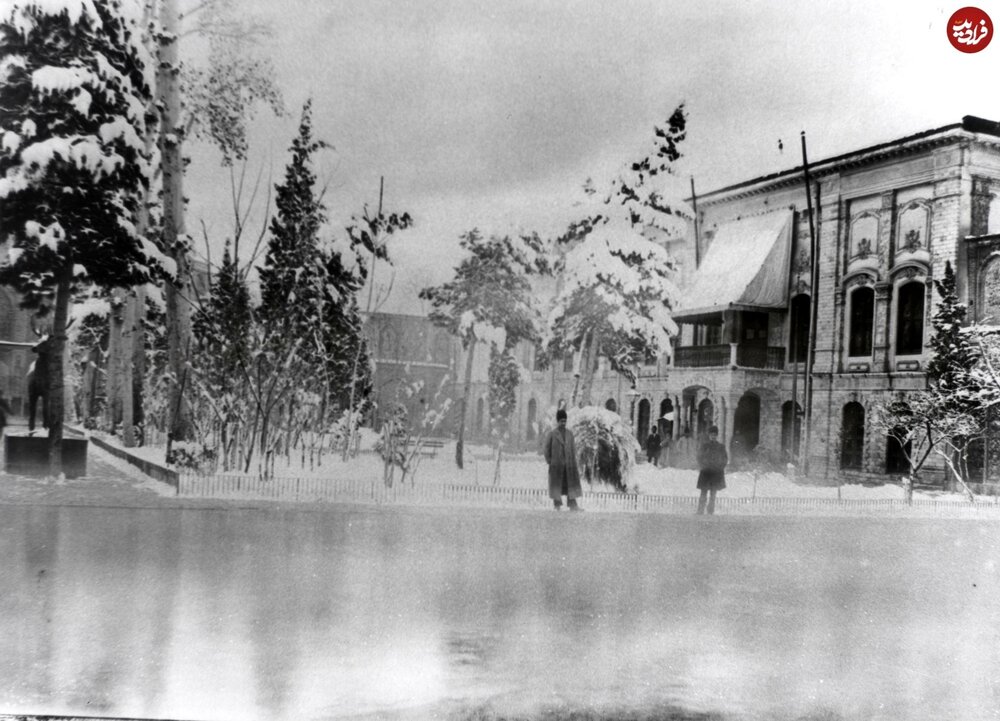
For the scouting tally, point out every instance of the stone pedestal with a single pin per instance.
(28, 455)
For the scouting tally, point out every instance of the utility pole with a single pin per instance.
(813, 295)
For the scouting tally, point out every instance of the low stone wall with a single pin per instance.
(153, 470)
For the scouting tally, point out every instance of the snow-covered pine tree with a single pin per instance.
(953, 351)
(288, 278)
(490, 292)
(74, 86)
(616, 288)
(309, 293)
(222, 326)
(342, 337)
(222, 332)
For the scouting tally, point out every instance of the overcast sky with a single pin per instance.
(492, 114)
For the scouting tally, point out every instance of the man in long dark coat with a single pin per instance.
(560, 454)
(712, 460)
(653, 447)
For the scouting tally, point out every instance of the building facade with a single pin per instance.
(413, 365)
(886, 219)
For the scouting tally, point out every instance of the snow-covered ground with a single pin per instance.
(527, 470)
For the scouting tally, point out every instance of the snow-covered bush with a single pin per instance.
(194, 456)
(605, 446)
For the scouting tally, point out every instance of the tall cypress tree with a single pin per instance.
(288, 278)
(307, 292)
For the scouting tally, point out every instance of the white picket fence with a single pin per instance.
(327, 490)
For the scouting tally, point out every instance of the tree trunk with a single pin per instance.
(496, 469)
(113, 377)
(128, 336)
(460, 445)
(176, 293)
(139, 360)
(587, 371)
(56, 381)
(88, 384)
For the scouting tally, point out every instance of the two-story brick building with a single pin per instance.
(886, 219)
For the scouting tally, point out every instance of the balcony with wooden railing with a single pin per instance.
(726, 355)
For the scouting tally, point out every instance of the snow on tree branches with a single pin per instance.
(490, 299)
(74, 86)
(616, 287)
(948, 419)
(222, 95)
(75, 83)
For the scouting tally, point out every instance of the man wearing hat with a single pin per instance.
(712, 460)
(560, 454)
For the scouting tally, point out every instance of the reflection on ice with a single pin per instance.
(389, 613)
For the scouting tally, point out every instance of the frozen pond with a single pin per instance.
(420, 613)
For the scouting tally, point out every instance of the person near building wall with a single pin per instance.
(712, 460)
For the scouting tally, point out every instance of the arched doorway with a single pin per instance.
(852, 433)
(611, 405)
(746, 426)
(529, 432)
(666, 419)
(791, 430)
(706, 417)
(642, 422)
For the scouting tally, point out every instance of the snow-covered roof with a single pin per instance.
(746, 267)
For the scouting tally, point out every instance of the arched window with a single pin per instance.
(910, 319)
(896, 455)
(611, 405)
(852, 436)
(666, 418)
(568, 362)
(706, 417)
(532, 413)
(799, 333)
(862, 319)
(642, 424)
